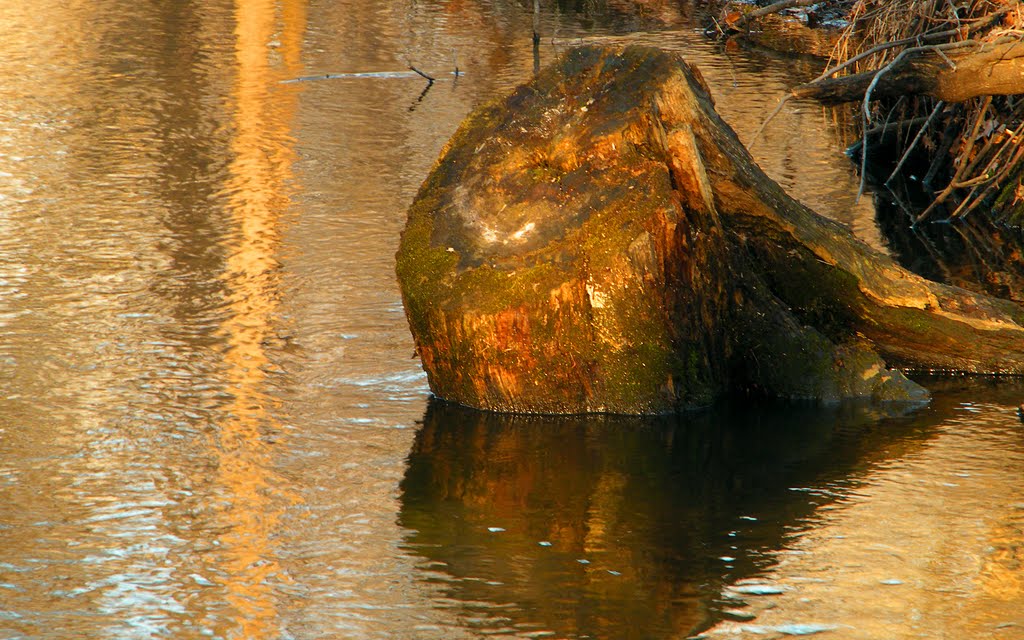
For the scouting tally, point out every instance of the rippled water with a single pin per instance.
(212, 425)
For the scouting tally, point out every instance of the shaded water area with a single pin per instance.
(212, 425)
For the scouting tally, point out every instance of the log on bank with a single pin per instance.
(953, 72)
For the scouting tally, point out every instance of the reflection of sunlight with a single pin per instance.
(1002, 576)
(260, 174)
(929, 547)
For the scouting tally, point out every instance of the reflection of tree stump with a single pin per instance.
(599, 240)
(648, 501)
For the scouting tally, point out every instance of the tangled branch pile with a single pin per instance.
(947, 78)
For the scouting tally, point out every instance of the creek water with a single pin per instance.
(212, 423)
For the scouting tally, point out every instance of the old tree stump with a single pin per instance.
(600, 241)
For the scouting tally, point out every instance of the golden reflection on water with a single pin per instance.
(260, 177)
(929, 546)
(1002, 572)
(149, 185)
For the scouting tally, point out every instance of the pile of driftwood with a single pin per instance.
(947, 79)
(940, 86)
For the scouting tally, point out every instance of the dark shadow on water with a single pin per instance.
(623, 527)
(974, 253)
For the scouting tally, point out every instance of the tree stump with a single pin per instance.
(600, 241)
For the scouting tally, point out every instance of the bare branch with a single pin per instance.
(429, 78)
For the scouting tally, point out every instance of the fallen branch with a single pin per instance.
(429, 78)
(955, 182)
(958, 34)
(986, 70)
(370, 75)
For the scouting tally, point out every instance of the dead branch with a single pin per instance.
(429, 78)
(978, 69)
(917, 138)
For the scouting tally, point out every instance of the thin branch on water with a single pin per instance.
(771, 116)
(370, 75)
(429, 78)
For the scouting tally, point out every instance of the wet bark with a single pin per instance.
(951, 75)
(600, 241)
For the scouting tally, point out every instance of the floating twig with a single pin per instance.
(771, 116)
(429, 78)
(377, 75)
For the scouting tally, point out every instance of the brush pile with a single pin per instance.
(941, 83)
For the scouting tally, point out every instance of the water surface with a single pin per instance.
(212, 423)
